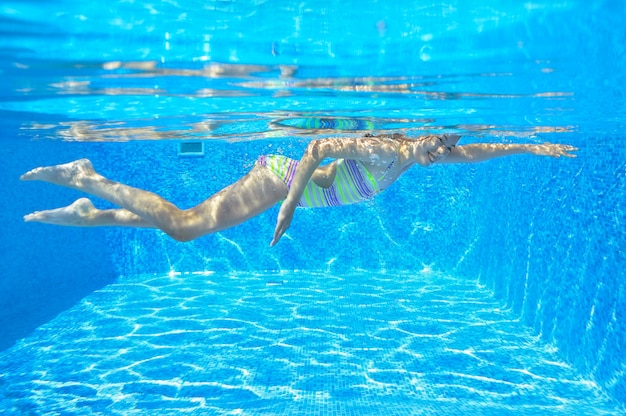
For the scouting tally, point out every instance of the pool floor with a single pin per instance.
(290, 343)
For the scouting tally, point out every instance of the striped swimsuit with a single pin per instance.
(353, 183)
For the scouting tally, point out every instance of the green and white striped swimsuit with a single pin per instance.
(353, 182)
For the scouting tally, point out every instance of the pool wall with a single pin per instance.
(549, 247)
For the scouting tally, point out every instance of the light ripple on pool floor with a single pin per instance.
(294, 343)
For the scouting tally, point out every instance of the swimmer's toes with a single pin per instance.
(36, 216)
(47, 217)
(31, 175)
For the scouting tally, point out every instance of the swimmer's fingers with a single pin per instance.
(570, 149)
(281, 227)
(564, 150)
(278, 233)
(555, 150)
(285, 215)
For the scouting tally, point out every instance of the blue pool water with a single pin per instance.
(495, 288)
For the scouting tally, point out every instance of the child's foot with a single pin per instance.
(77, 214)
(69, 174)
